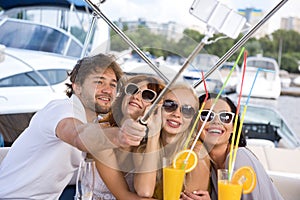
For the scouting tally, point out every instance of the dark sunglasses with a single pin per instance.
(186, 110)
(224, 117)
(147, 94)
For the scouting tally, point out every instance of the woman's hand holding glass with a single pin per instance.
(196, 195)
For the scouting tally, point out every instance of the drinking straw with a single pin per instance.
(244, 112)
(214, 103)
(236, 118)
(195, 123)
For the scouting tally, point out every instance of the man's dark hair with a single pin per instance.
(89, 65)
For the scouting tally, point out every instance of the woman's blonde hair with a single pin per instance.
(177, 145)
(179, 142)
(182, 137)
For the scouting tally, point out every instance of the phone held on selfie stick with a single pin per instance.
(218, 16)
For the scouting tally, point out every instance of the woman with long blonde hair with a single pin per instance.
(176, 115)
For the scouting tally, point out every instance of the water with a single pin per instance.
(289, 107)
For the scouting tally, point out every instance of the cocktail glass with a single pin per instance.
(226, 189)
(172, 182)
(85, 180)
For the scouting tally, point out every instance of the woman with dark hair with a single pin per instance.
(216, 138)
(233, 109)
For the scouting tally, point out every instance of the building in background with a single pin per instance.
(290, 23)
(172, 30)
(253, 16)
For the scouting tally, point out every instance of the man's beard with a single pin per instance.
(101, 109)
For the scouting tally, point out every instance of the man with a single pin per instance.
(42, 161)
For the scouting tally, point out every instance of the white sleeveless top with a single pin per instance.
(101, 192)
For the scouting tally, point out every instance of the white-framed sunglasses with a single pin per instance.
(147, 94)
(224, 117)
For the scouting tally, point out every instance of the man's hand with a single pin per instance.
(93, 138)
(131, 133)
(154, 122)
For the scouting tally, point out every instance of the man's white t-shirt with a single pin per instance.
(39, 165)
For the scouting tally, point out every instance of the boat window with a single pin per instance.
(203, 62)
(53, 76)
(261, 115)
(261, 64)
(286, 129)
(24, 79)
(32, 37)
(74, 49)
(257, 117)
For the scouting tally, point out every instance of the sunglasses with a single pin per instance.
(147, 94)
(186, 110)
(224, 117)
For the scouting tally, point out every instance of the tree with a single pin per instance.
(290, 40)
(267, 44)
(288, 43)
(253, 47)
(158, 45)
(289, 63)
(220, 47)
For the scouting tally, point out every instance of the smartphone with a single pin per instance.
(218, 16)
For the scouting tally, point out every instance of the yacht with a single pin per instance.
(276, 146)
(268, 134)
(261, 78)
(39, 44)
(202, 63)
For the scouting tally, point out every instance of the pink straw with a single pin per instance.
(216, 99)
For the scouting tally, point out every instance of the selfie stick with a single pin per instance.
(241, 42)
(191, 57)
(127, 40)
(213, 23)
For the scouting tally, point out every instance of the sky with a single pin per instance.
(174, 10)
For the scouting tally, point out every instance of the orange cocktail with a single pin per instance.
(229, 191)
(172, 182)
